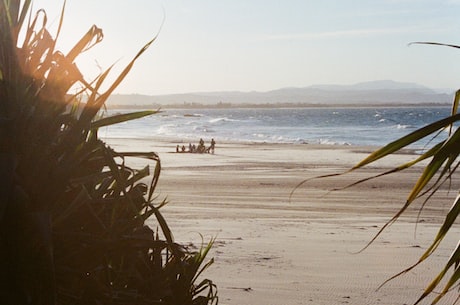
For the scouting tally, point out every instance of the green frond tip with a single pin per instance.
(408, 139)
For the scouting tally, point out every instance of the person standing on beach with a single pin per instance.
(213, 144)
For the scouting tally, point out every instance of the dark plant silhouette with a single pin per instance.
(72, 212)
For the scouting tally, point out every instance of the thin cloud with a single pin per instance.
(348, 33)
(435, 2)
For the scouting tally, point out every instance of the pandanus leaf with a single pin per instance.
(408, 140)
(447, 155)
(115, 119)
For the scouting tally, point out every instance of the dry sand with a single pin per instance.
(272, 250)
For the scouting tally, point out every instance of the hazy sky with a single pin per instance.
(214, 45)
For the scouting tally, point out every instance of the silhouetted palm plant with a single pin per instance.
(72, 212)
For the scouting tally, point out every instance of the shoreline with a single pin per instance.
(273, 249)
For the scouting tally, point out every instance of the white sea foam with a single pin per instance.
(328, 142)
(344, 126)
(217, 120)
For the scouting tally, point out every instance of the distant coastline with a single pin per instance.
(384, 93)
(273, 105)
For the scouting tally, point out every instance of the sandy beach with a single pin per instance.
(271, 249)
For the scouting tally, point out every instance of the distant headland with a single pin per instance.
(374, 93)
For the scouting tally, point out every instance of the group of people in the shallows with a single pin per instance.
(201, 148)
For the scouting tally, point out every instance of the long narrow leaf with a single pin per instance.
(451, 262)
(456, 102)
(124, 73)
(452, 281)
(436, 44)
(121, 118)
(90, 39)
(408, 139)
(200, 257)
(449, 149)
(424, 156)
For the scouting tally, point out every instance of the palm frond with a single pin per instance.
(443, 163)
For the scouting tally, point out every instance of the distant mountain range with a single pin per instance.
(366, 93)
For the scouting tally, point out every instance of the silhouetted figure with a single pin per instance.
(201, 147)
(213, 144)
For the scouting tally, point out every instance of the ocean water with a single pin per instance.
(333, 126)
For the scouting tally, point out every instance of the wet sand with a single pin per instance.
(271, 248)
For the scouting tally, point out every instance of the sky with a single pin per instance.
(263, 45)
